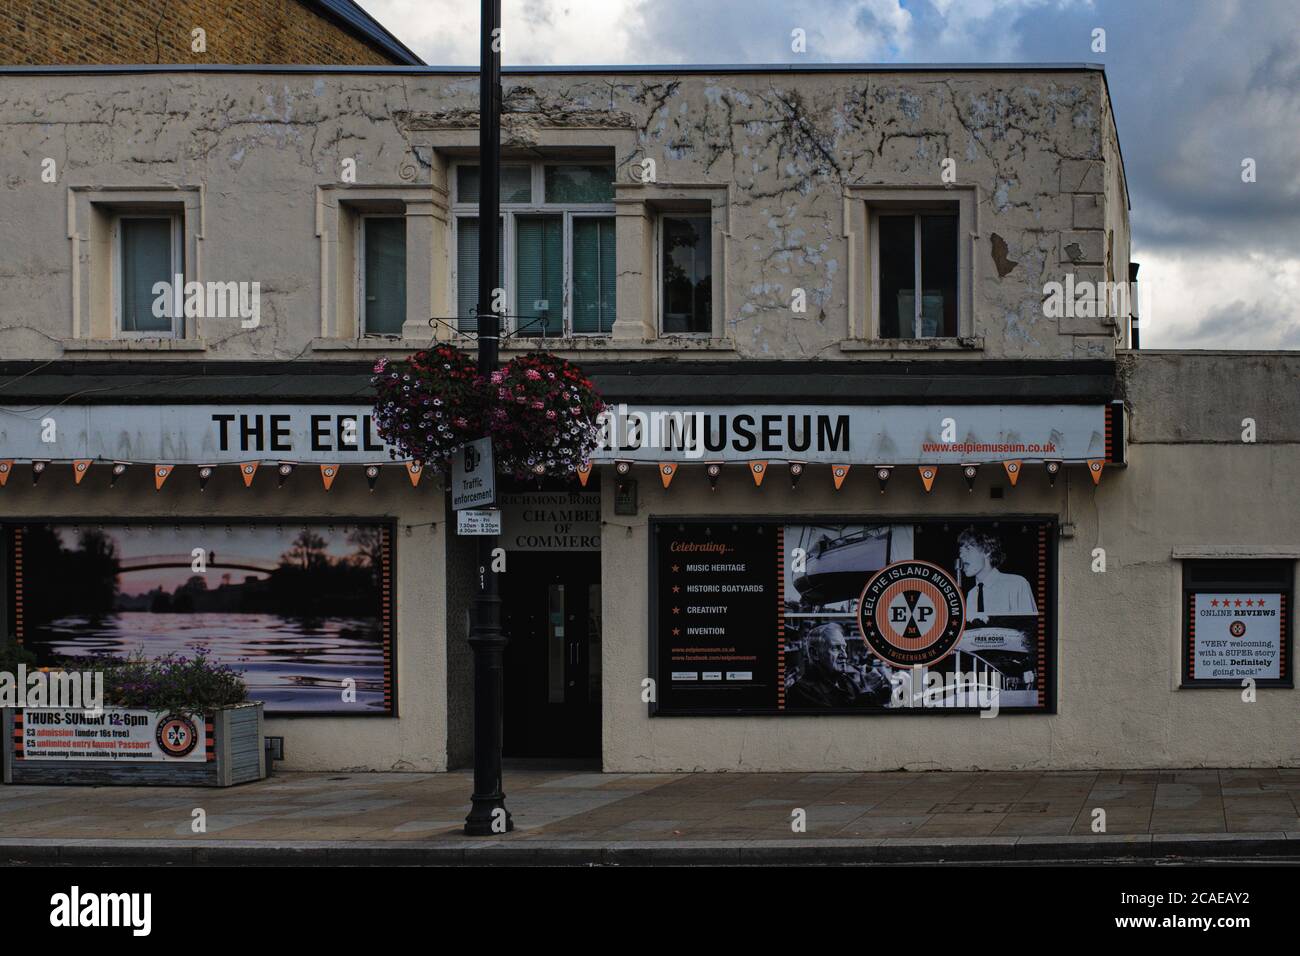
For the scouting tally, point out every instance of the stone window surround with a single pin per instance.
(339, 208)
(862, 203)
(91, 211)
(538, 206)
(636, 204)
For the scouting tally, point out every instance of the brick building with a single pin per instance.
(34, 32)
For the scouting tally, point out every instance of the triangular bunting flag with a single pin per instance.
(6, 467)
(79, 469)
(714, 471)
(248, 469)
(414, 469)
(666, 471)
(1095, 466)
(160, 473)
(758, 469)
(205, 472)
(1013, 471)
(584, 472)
(839, 473)
(928, 473)
(372, 476)
(882, 475)
(327, 475)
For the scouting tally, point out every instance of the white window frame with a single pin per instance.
(918, 299)
(360, 313)
(537, 206)
(660, 298)
(177, 268)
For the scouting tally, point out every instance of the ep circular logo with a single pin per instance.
(176, 735)
(911, 612)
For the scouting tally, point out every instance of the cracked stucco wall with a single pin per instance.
(781, 150)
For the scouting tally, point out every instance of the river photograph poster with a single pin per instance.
(302, 609)
(840, 616)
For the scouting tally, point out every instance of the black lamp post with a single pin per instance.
(488, 814)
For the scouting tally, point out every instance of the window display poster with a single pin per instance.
(766, 617)
(303, 610)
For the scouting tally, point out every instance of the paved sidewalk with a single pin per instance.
(594, 817)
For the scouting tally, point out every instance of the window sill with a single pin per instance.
(606, 343)
(134, 345)
(371, 344)
(971, 343)
(574, 343)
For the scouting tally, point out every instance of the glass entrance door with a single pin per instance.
(552, 666)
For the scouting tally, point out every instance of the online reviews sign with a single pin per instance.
(1237, 636)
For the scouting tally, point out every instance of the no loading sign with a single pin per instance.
(911, 612)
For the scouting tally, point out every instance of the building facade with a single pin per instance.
(881, 460)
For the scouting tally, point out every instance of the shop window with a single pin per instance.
(686, 274)
(148, 259)
(382, 274)
(556, 251)
(1236, 623)
(917, 274)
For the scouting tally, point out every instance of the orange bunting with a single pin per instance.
(928, 473)
(6, 468)
(160, 473)
(415, 469)
(327, 475)
(839, 473)
(1013, 471)
(1095, 466)
(79, 468)
(584, 472)
(758, 469)
(248, 469)
(666, 471)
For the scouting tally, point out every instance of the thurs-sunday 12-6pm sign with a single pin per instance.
(55, 734)
(1237, 636)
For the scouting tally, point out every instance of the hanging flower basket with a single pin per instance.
(540, 411)
(542, 416)
(429, 405)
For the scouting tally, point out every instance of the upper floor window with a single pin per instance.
(148, 261)
(917, 251)
(556, 250)
(686, 274)
(382, 274)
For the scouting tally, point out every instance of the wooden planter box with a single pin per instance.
(229, 751)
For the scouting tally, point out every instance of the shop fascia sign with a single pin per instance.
(193, 434)
(852, 434)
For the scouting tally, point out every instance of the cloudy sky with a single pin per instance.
(1198, 86)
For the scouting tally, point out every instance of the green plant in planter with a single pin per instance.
(12, 654)
(173, 683)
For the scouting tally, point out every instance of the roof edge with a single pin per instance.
(593, 69)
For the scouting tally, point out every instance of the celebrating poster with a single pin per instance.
(757, 617)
